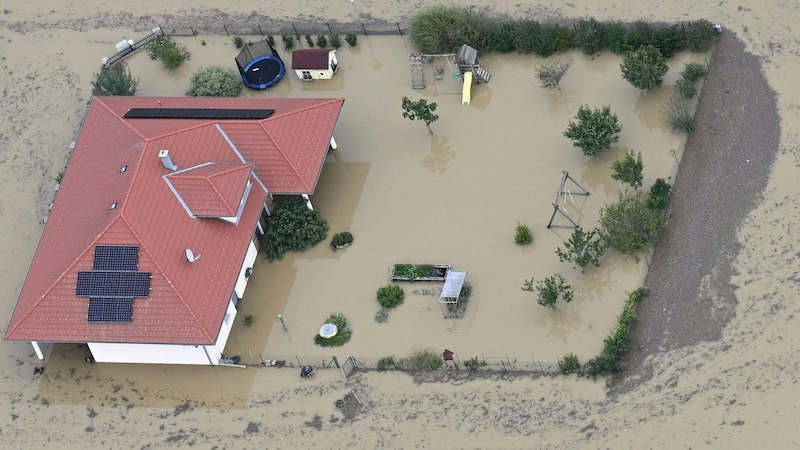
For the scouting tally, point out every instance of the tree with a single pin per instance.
(114, 80)
(644, 68)
(590, 35)
(629, 169)
(215, 81)
(583, 248)
(550, 73)
(593, 130)
(171, 53)
(550, 290)
(293, 228)
(420, 110)
(630, 225)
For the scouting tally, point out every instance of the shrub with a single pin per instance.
(582, 248)
(550, 290)
(679, 113)
(343, 333)
(473, 364)
(502, 38)
(659, 194)
(523, 234)
(629, 169)
(444, 29)
(617, 38)
(414, 271)
(238, 42)
(342, 239)
(215, 81)
(336, 41)
(171, 53)
(114, 80)
(387, 362)
(248, 319)
(698, 35)
(352, 39)
(593, 130)
(629, 225)
(424, 359)
(309, 40)
(667, 40)
(391, 296)
(616, 344)
(288, 41)
(685, 88)
(550, 73)
(293, 228)
(640, 34)
(526, 36)
(552, 39)
(570, 364)
(590, 36)
(644, 68)
(693, 72)
(322, 41)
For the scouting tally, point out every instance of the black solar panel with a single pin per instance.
(113, 284)
(118, 310)
(198, 113)
(116, 257)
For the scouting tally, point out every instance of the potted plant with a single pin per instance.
(341, 240)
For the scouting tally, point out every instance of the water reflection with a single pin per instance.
(649, 107)
(560, 323)
(596, 174)
(441, 154)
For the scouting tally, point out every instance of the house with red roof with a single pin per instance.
(152, 236)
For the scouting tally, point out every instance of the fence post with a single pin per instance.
(336, 361)
(364, 28)
(295, 31)
(259, 30)
(226, 29)
(298, 360)
(329, 28)
(398, 28)
(540, 367)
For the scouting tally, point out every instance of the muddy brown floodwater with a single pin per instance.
(451, 198)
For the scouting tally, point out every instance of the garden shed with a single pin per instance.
(314, 63)
(260, 65)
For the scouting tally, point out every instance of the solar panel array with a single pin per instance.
(115, 310)
(113, 284)
(198, 113)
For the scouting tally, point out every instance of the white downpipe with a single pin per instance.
(333, 143)
(37, 349)
(308, 202)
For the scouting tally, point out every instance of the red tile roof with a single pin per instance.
(187, 301)
(311, 58)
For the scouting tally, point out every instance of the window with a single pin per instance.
(306, 75)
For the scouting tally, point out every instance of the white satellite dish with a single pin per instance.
(190, 255)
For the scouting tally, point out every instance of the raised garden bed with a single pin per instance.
(419, 272)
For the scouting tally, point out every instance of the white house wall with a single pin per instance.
(249, 259)
(215, 351)
(149, 353)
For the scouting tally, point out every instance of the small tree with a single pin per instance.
(550, 73)
(114, 80)
(523, 234)
(629, 169)
(582, 248)
(171, 53)
(644, 68)
(698, 35)
(693, 71)
(659, 194)
(630, 225)
(420, 110)
(593, 130)
(550, 290)
(679, 113)
(215, 81)
(590, 35)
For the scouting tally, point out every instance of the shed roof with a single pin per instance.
(311, 58)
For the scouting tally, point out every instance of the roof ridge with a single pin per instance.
(117, 117)
(169, 281)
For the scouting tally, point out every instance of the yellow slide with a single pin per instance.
(465, 93)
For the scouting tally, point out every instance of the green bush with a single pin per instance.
(590, 36)
(502, 38)
(170, 53)
(553, 39)
(523, 234)
(617, 343)
(293, 228)
(640, 34)
(238, 42)
(352, 39)
(644, 68)
(322, 41)
(679, 113)
(685, 88)
(582, 248)
(526, 36)
(444, 29)
(659, 194)
(698, 35)
(667, 40)
(629, 225)
(421, 360)
(114, 80)
(570, 364)
(343, 333)
(214, 81)
(341, 239)
(593, 130)
(288, 41)
(693, 72)
(248, 319)
(550, 290)
(336, 41)
(629, 169)
(550, 73)
(309, 40)
(414, 271)
(386, 363)
(617, 38)
(391, 296)
(473, 364)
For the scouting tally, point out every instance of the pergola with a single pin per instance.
(451, 290)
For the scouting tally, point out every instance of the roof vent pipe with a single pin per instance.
(166, 160)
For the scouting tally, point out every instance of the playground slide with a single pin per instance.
(465, 93)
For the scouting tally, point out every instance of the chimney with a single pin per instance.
(166, 160)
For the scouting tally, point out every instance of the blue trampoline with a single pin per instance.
(260, 65)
